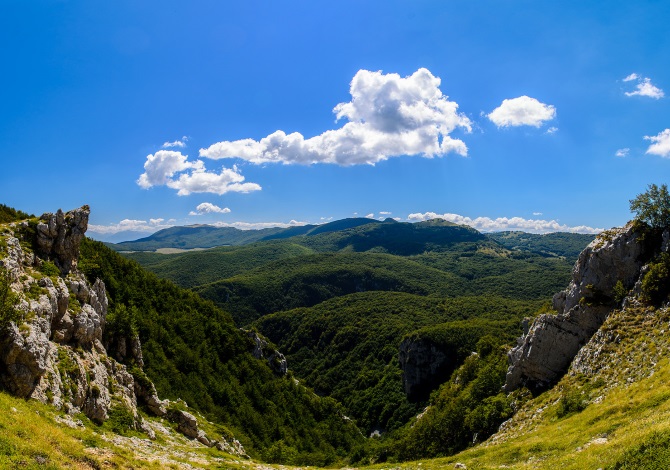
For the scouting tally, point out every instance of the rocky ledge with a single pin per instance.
(614, 261)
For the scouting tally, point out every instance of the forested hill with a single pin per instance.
(194, 351)
(360, 233)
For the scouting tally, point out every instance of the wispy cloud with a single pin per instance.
(622, 153)
(259, 225)
(209, 208)
(388, 116)
(172, 169)
(131, 225)
(177, 143)
(660, 145)
(522, 111)
(486, 224)
(644, 87)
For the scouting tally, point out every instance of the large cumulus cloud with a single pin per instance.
(388, 116)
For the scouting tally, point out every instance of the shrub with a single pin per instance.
(653, 206)
(48, 268)
(8, 300)
(655, 283)
(569, 403)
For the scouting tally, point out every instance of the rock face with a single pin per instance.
(56, 353)
(546, 351)
(59, 236)
(424, 365)
(275, 359)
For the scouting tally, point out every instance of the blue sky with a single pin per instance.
(539, 116)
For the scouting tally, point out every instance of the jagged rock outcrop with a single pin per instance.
(275, 359)
(55, 353)
(59, 236)
(546, 351)
(424, 365)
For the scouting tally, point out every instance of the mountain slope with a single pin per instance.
(92, 333)
(194, 351)
(347, 347)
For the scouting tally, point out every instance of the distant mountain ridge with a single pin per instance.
(209, 236)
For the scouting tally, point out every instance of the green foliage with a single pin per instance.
(122, 321)
(121, 420)
(567, 245)
(8, 300)
(9, 214)
(653, 206)
(193, 350)
(347, 347)
(571, 401)
(197, 268)
(620, 292)
(468, 408)
(48, 268)
(652, 454)
(655, 285)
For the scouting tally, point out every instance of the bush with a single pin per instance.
(653, 206)
(655, 283)
(8, 299)
(570, 402)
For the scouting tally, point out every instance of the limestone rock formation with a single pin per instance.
(56, 355)
(424, 365)
(546, 351)
(59, 236)
(275, 359)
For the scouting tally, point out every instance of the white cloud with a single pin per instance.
(171, 168)
(209, 208)
(644, 87)
(162, 165)
(388, 116)
(522, 111)
(552, 130)
(537, 213)
(370, 216)
(660, 145)
(486, 224)
(259, 225)
(130, 225)
(622, 153)
(384, 213)
(177, 143)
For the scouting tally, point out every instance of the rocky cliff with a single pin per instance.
(53, 350)
(608, 269)
(424, 365)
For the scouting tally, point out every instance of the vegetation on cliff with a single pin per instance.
(193, 351)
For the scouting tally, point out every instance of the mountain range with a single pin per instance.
(352, 343)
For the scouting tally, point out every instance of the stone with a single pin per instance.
(275, 359)
(424, 365)
(545, 352)
(187, 424)
(59, 236)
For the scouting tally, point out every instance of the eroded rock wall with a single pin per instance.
(544, 354)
